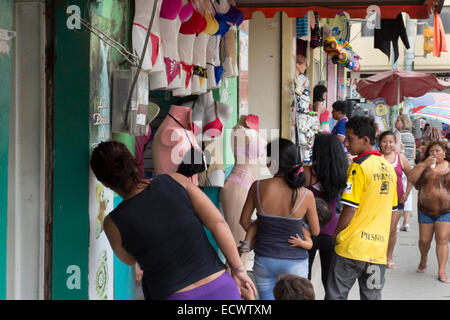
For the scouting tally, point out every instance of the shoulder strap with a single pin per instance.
(185, 131)
(300, 203)
(258, 197)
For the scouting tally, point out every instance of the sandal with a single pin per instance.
(244, 247)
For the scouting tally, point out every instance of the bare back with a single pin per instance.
(276, 199)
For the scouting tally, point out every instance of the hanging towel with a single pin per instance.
(390, 31)
(440, 45)
(302, 26)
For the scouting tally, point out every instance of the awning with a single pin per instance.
(389, 9)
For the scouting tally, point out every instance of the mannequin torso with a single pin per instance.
(143, 12)
(209, 117)
(188, 31)
(171, 143)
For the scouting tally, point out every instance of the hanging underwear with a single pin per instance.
(194, 25)
(211, 25)
(234, 16)
(214, 128)
(155, 43)
(241, 177)
(200, 71)
(172, 69)
(170, 9)
(188, 68)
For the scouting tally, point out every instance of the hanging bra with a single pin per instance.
(223, 25)
(186, 12)
(211, 24)
(194, 25)
(234, 16)
(170, 9)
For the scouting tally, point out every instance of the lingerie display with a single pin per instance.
(172, 15)
(209, 117)
(171, 141)
(189, 30)
(143, 13)
(189, 49)
(248, 148)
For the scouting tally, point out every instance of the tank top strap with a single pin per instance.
(258, 197)
(300, 203)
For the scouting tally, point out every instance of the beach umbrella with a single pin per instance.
(431, 98)
(393, 85)
(439, 111)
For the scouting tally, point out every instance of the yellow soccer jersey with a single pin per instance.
(372, 188)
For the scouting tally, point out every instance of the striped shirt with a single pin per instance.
(409, 142)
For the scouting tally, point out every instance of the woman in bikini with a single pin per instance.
(432, 178)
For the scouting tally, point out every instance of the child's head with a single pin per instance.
(323, 212)
(292, 287)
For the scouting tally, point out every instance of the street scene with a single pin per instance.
(224, 150)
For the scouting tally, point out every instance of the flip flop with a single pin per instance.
(444, 280)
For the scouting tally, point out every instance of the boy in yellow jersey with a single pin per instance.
(362, 232)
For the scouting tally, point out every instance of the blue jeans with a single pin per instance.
(427, 219)
(266, 272)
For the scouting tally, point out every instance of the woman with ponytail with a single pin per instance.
(283, 205)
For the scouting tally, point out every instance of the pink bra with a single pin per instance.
(171, 8)
(186, 12)
(195, 25)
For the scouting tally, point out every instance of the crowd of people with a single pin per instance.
(346, 205)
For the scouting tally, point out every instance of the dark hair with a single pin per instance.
(318, 92)
(193, 162)
(431, 143)
(324, 212)
(293, 287)
(363, 127)
(384, 134)
(340, 106)
(114, 165)
(289, 163)
(330, 164)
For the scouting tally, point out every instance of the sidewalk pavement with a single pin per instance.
(403, 282)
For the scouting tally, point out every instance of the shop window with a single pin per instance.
(445, 17)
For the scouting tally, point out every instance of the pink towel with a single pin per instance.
(440, 45)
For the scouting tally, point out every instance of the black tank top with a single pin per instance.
(159, 227)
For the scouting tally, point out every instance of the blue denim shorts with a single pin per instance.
(427, 219)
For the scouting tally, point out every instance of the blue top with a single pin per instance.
(160, 228)
(274, 232)
(339, 130)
